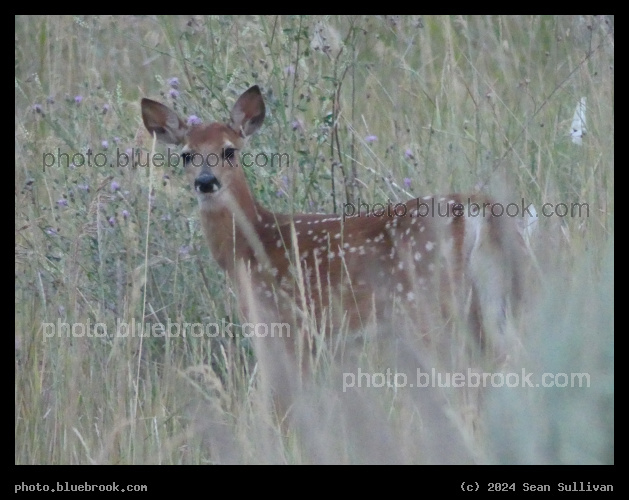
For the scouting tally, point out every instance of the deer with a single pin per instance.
(434, 257)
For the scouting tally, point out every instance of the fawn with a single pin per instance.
(432, 257)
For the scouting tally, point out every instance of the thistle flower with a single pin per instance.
(297, 125)
(193, 120)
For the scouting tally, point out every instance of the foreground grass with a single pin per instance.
(368, 108)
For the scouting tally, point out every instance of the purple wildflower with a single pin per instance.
(104, 144)
(407, 182)
(408, 154)
(105, 108)
(62, 202)
(78, 99)
(173, 93)
(114, 186)
(112, 221)
(193, 120)
(37, 108)
(371, 138)
(125, 214)
(174, 82)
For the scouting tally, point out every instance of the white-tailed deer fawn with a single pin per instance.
(443, 256)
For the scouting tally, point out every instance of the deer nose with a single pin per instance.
(207, 183)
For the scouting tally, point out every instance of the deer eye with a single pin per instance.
(228, 153)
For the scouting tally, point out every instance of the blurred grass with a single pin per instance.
(397, 106)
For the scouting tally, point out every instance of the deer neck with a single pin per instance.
(232, 223)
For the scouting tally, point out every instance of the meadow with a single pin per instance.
(372, 108)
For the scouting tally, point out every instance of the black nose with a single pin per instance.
(207, 183)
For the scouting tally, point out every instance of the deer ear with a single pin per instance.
(248, 112)
(162, 120)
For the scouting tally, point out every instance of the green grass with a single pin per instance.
(455, 104)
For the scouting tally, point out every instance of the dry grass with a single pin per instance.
(406, 106)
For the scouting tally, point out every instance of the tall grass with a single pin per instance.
(368, 108)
